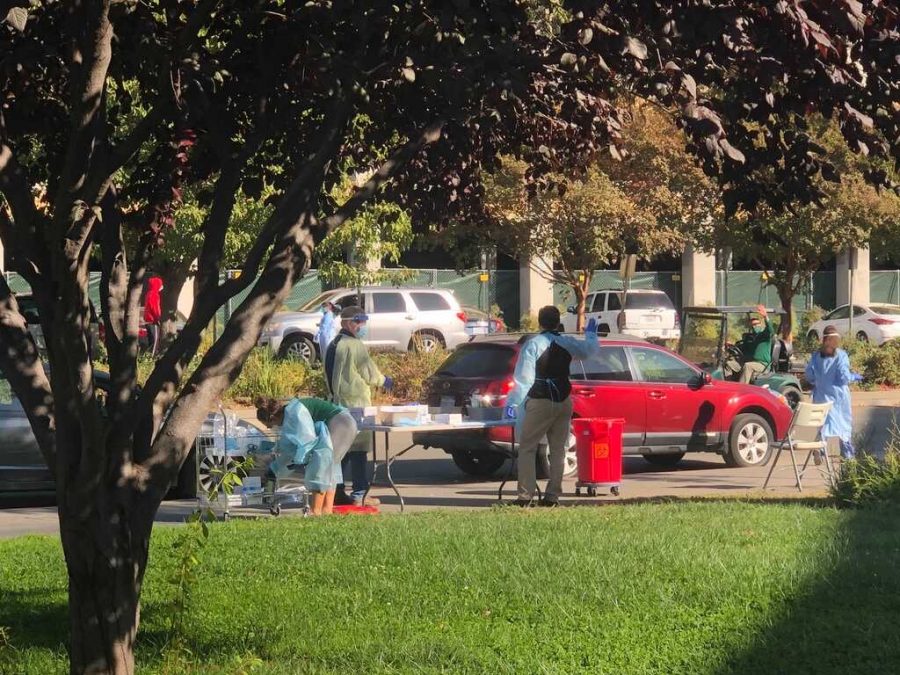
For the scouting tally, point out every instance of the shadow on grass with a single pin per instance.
(845, 621)
(34, 618)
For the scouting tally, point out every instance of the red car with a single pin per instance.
(669, 405)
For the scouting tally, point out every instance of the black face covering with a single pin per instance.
(551, 377)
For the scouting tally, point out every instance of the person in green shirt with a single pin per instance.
(341, 428)
(755, 347)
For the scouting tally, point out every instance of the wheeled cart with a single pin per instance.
(598, 444)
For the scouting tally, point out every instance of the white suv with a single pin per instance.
(400, 319)
(647, 314)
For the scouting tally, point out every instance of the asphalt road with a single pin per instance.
(429, 479)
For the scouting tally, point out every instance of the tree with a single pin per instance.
(791, 245)
(251, 94)
(583, 229)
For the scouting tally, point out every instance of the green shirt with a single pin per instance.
(320, 409)
(758, 346)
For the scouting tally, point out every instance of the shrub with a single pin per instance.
(867, 480)
(409, 371)
(879, 365)
(528, 324)
(264, 375)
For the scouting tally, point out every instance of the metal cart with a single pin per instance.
(221, 451)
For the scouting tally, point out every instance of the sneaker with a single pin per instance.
(342, 499)
(366, 501)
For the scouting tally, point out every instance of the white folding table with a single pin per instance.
(390, 457)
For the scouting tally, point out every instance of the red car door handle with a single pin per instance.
(586, 393)
(656, 394)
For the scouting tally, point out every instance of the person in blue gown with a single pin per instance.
(829, 375)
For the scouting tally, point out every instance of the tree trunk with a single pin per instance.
(174, 279)
(786, 296)
(579, 307)
(106, 556)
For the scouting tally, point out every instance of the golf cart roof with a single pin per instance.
(734, 309)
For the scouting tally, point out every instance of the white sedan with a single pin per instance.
(873, 323)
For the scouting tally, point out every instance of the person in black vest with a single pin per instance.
(540, 400)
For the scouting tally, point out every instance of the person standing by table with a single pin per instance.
(828, 373)
(350, 374)
(341, 429)
(541, 403)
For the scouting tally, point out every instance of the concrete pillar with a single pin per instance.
(861, 286)
(698, 278)
(535, 290)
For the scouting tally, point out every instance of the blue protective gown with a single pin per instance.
(328, 329)
(306, 443)
(830, 379)
(527, 364)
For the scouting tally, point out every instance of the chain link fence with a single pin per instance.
(750, 288)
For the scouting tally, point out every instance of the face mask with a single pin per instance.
(757, 329)
(363, 332)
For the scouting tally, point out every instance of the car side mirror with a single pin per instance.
(571, 309)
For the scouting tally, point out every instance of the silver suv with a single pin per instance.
(400, 319)
(647, 314)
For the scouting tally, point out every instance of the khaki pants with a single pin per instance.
(543, 417)
(748, 371)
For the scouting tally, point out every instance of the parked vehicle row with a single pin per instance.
(670, 406)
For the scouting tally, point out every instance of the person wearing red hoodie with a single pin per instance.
(153, 312)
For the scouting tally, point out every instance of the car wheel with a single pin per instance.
(570, 468)
(749, 441)
(212, 468)
(792, 395)
(426, 342)
(481, 463)
(862, 337)
(298, 348)
(812, 336)
(668, 460)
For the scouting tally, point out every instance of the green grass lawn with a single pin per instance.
(715, 587)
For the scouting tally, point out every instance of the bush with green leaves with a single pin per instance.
(868, 480)
(880, 366)
(409, 371)
(269, 377)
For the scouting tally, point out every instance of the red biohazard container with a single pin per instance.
(598, 443)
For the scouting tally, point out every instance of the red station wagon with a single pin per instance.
(669, 405)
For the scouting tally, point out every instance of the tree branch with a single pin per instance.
(383, 174)
(21, 363)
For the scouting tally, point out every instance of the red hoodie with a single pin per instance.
(153, 301)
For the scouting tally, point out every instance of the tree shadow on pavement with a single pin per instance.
(845, 619)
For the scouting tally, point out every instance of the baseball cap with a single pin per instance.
(353, 313)
(830, 331)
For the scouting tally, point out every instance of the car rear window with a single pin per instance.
(483, 360)
(648, 301)
(430, 302)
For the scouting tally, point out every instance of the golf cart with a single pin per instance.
(709, 336)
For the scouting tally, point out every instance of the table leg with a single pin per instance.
(388, 460)
(512, 465)
(387, 468)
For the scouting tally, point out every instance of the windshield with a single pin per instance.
(648, 301)
(482, 360)
(316, 303)
(886, 309)
(700, 340)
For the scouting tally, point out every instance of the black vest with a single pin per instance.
(551, 375)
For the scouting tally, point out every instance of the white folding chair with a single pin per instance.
(805, 435)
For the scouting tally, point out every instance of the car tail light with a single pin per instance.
(495, 393)
(878, 321)
(677, 320)
(462, 317)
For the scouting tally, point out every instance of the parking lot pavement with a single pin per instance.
(429, 479)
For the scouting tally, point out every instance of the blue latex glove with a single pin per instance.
(388, 383)
(591, 326)
(510, 412)
(856, 377)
